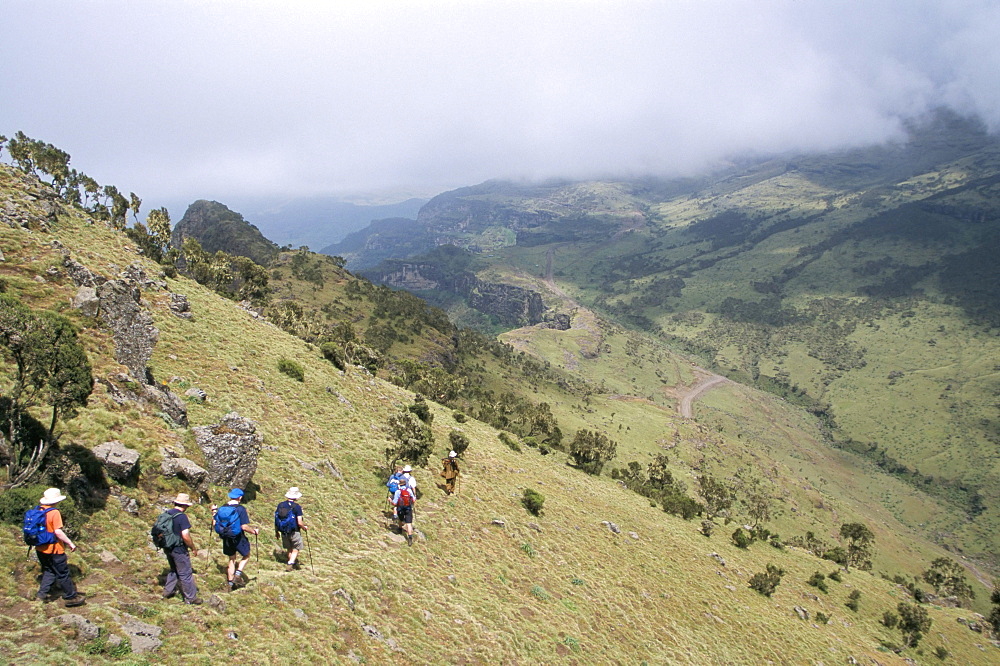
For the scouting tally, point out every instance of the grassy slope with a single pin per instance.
(560, 588)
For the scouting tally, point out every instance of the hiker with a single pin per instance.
(288, 522)
(450, 472)
(393, 485)
(404, 500)
(43, 530)
(232, 523)
(177, 545)
(411, 481)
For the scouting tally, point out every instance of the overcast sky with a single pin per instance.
(186, 99)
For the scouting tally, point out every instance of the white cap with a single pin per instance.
(452, 454)
(407, 469)
(51, 496)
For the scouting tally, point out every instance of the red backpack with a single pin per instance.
(405, 497)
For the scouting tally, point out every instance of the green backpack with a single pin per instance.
(163, 532)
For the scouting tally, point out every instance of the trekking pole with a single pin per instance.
(309, 550)
(256, 546)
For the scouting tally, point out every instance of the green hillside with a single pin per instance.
(601, 576)
(861, 286)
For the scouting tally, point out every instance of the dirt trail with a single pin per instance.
(687, 396)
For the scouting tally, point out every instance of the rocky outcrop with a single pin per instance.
(512, 305)
(86, 301)
(120, 462)
(131, 326)
(231, 448)
(187, 469)
(123, 389)
(179, 306)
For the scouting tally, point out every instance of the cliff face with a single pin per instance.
(512, 305)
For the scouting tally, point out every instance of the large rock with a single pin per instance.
(84, 629)
(120, 462)
(188, 470)
(180, 306)
(131, 326)
(169, 402)
(142, 636)
(231, 448)
(86, 301)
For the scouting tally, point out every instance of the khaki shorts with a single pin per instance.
(291, 540)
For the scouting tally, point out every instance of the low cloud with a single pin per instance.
(188, 99)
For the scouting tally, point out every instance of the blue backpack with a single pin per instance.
(35, 532)
(285, 519)
(227, 522)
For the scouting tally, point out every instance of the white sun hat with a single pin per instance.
(51, 496)
(293, 493)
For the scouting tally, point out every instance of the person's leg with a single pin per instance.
(48, 575)
(60, 567)
(170, 587)
(185, 574)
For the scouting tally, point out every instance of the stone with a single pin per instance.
(169, 402)
(802, 613)
(611, 526)
(143, 637)
(80, 274)
(196, 393)
(84, 629)
(299, 613)
(231, 448)
(86, 301)
(180, 306)
(718, 558)
(342, 593)
(120, 462)
(108, 557)
(217, 602)
(189, 470)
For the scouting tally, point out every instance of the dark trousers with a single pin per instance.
(180, 572)
(55, 569)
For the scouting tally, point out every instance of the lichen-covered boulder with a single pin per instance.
(120, 462)
(131, 326)
(231, 448)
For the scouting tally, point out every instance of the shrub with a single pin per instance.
(681, 505)
(742, 538)
(835, 575)
(767, 582)
(509, 442)
(941, 652)
(539, 592)
(410, 440)
(836, 554)
(913, 622)
(528, 549)
(459, 442)
(852, 600)
(532, 500)
(459, 417)
(890, 619)
(421, 410)
(822, 617)
(590, 450)
(818, 581)
(292, 369)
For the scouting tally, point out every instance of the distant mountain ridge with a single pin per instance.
(216, 227)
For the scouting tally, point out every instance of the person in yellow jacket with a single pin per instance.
(450, 472)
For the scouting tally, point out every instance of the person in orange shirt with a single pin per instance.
(52, 556)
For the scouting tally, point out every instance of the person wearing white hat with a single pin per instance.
(450, 472)
(289, 523)
(178, 553)
(50, 543)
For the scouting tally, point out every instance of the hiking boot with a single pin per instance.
(195, 602)
(169, 596)
(239, 580)
(409, 539)
(231, 584)
(290, 566)
(76, 600)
